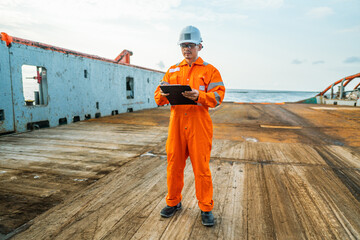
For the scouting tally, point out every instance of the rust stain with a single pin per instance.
(8, 39)
(44, 46)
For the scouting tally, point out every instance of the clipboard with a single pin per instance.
(175, 97)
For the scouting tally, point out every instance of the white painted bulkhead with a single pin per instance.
(6, 106)
(70, 92)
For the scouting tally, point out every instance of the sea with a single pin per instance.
(266, 96)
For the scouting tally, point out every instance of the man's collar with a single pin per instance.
(198, 61)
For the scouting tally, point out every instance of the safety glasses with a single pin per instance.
(188, 45)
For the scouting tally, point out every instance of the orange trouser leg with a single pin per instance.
(177, 153)
(199, 149)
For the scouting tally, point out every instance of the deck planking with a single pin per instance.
(269, 183)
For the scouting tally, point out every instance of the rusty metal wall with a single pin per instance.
(70, 93)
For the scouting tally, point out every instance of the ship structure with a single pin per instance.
(46, 86)
(280, 171)
(337, 94)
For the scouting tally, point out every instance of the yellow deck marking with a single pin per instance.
(335, 108)
(285, 127)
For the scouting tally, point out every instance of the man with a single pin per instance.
(190, 127)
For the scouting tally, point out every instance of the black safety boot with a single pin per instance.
(207, 219)
(168, 211)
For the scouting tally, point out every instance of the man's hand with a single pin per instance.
(193, 95)
(164, 94)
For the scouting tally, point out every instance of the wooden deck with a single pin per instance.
(279, 172)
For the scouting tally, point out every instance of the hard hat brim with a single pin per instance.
(188, 41)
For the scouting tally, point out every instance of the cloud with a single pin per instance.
(320, 12)
(297, 61)
(355, 29)
(203, 14)
(352, 60)
(318, 62)
(15, 19)
(87, 9)
(263, 3)
(247, 4)
(125, 15)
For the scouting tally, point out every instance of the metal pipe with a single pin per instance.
(357, 86)
(348, 78)
(342, 88)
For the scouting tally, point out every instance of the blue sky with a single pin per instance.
(256, 44)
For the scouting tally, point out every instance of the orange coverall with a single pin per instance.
(190, 130)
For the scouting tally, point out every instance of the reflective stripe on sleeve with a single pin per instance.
(214, 84)
(164, 83)
(217, 97)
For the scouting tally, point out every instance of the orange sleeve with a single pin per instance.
(160, 100)
(215, 91)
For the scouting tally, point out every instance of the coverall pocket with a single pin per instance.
(175, 79)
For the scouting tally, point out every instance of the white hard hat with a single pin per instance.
(190, 34)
